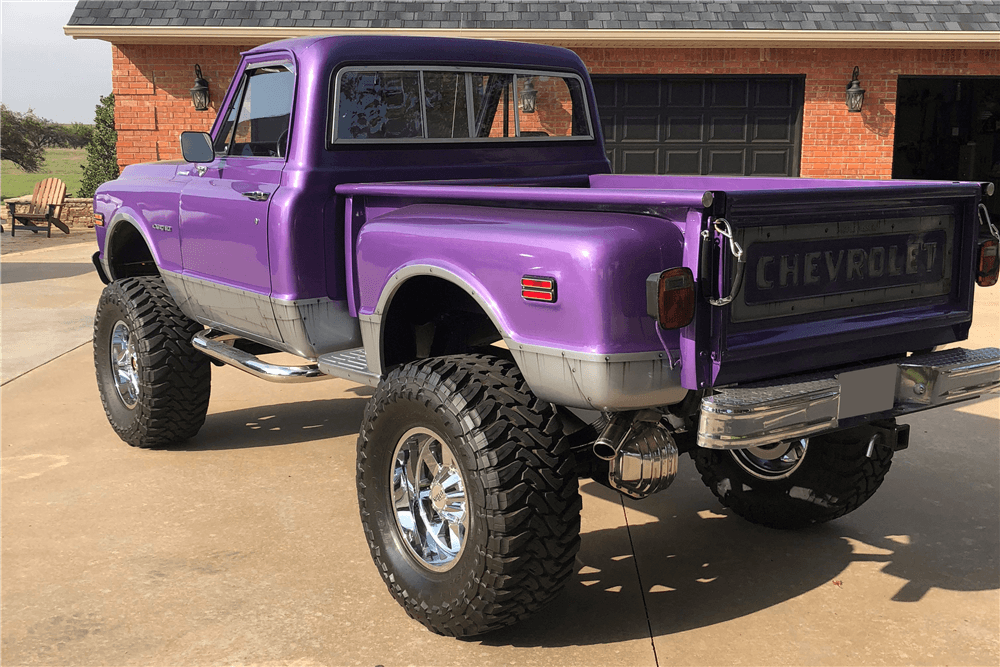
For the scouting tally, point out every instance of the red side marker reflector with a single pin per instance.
(537, 283)
(536, 288)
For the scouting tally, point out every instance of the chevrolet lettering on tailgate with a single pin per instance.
(895, 259)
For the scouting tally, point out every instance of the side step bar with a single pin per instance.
(348, 364)
(759, 414)
(219, 346)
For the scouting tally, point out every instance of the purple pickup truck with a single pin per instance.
(436, 218)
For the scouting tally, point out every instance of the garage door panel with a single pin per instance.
(727, 162)
(684, 163)
(606, 92)
(730, 93)
(610, 124)
(773, 128)
(686, 124)
(640, 128)
(685, 128)
(641, 93)
(770, 162)
(686, 93)
(640, 161)
(774, 94)
(728, 128)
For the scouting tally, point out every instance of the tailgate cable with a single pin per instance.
(722, 226)
(984, 217)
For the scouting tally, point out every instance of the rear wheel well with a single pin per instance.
(128, 255)
(432, 317)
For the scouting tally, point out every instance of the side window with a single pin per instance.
(447, 109)
(493, 104)
(551, 106)
(428, 105)
(257, 119)
(379, 105)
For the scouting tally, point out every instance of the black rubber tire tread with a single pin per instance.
(530, 501)
(836, 476)
(174, 379)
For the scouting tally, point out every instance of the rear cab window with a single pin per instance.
(435, 104)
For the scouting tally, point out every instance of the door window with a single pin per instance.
(257, 119)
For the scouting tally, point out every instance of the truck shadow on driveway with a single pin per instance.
(700, 565)
(24, 272)
(275, 425)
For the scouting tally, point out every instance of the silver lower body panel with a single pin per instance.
(305, 327)
(606, 382)
(764, 413)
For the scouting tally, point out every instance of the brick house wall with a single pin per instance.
(153, 103)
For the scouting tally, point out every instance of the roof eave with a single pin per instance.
(899, 39)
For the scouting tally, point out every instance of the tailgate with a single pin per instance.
(835, 276)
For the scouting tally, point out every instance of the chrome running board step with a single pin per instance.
(759, 414)
(349, 364)
(219, 346)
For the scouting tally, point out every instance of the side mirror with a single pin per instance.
(197, 147)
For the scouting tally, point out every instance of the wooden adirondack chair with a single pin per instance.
(45, 207)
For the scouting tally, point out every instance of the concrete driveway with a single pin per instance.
(243, 547)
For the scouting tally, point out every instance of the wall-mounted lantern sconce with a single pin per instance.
(199, 94)
(528, 97)
(855, 93)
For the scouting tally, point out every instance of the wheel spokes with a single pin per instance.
(429, 498)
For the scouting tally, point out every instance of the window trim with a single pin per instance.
(245, 76)
(334, 105)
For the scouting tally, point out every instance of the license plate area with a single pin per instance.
(867, 391)
(803, 268)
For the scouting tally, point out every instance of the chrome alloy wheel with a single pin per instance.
(771, 462)
(125, 364)
(429, 499)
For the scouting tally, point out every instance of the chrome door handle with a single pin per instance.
(256, 195)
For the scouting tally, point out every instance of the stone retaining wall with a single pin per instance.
(76, 212)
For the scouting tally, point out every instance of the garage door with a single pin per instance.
(733, 126)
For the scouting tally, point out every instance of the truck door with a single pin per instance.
(224, 206)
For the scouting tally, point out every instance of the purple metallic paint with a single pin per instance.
(335, 227)
(600, 262)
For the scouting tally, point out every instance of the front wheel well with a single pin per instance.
(432, 317)
(127, 253)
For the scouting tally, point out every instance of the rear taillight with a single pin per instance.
(670, 297)
(989, 263)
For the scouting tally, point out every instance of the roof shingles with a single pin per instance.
(907, 15)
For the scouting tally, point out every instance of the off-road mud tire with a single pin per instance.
(174, 378)
(523, 497)
(836, 477)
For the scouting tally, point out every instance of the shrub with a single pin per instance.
(102, 154)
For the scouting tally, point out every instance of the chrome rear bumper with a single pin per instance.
(762, 413)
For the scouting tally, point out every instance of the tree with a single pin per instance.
(102, 153)
(19, 139)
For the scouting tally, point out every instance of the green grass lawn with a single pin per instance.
(63, 163)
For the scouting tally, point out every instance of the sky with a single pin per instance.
(61, 78)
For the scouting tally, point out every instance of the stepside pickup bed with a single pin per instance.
(435, 218)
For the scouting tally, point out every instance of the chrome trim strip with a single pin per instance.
(213, 344)
(750, 416)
